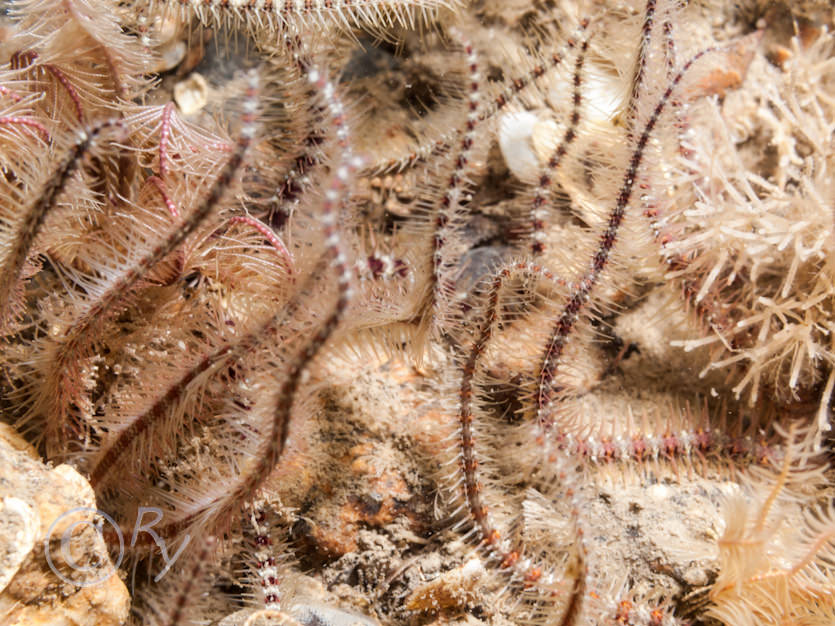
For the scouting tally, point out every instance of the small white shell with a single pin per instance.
(515, 131)
(191, 94)
(526, 142)
(170, 56)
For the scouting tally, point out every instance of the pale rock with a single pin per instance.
(39, 502)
